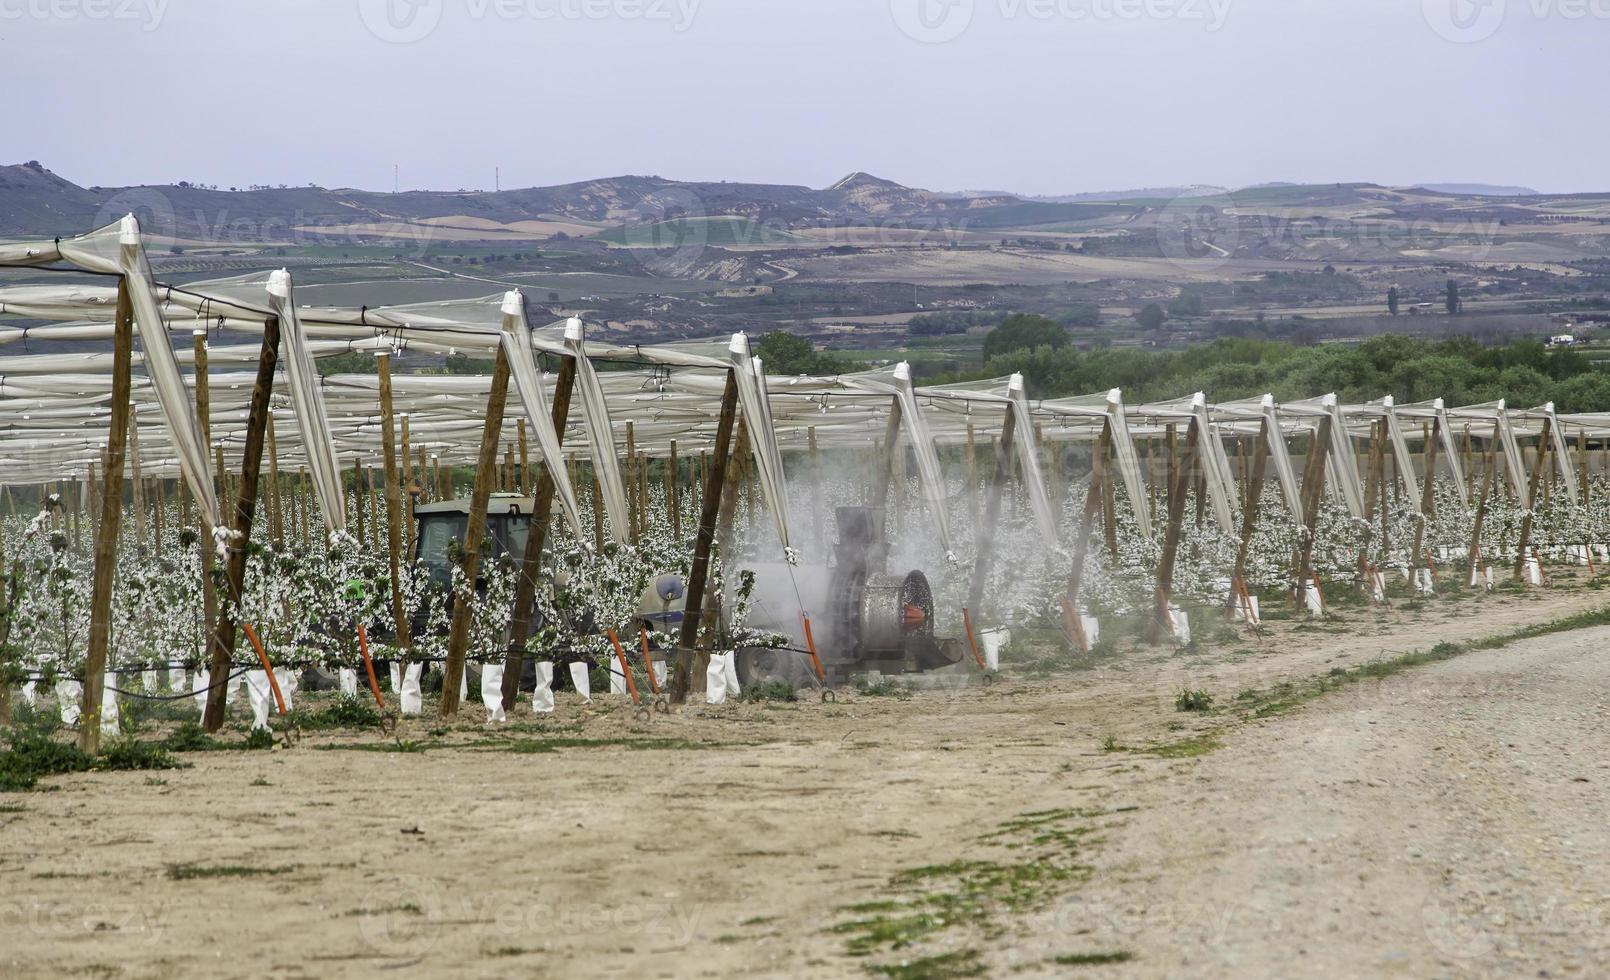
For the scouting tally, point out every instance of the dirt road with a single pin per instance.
(1428, 824)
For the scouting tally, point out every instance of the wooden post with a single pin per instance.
(1481, 507)
(394, 503)
(486, 466)
(103, 577)
(886, 468)
(698, 576)
(1100, 473)
(209, 592)
(138, 496)
(1184, 475)
(673, 498)
(524, 482)
(992, 511)
(223, 636)
(1249, 513)
(1313, 496)
(732, 484)
(525, 592)
(276, 508)
(1538, 468)
(1428, 496)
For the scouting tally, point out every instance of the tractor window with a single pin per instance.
(510, 533)
(437, 532)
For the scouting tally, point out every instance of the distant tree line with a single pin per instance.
(1461, 371)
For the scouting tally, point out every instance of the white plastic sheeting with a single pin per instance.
(756, 407)
(517, 347)
(600, 433)
(313, 422)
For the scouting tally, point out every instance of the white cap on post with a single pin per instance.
(279, 283)
(128, 231)
(902, 371)
(573, 328)
(1115, 396)
(1015, 383)
(1329, 401)
(1388, 402)
(513, 303)
(1268, 401)
(1198, 400)
(739, 344)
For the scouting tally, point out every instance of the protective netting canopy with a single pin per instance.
(54, 407)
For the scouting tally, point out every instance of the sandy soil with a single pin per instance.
(945, 267)
(1425, 825)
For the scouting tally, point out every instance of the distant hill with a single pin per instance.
(1480, 190)
(34, 201)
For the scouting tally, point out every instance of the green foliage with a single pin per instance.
(1025, 331)
(348, 712)
(1151, 316)
(1193, 701)
(1460, 370)
(784, 353)
(33, 752)
(771, 691)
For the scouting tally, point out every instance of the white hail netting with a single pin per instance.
(756, 407)
(600, 433)
(914, 423)
(516, 340)
(54, 407)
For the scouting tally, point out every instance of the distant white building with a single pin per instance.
(1562, 340)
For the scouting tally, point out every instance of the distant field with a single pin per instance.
(717, 230)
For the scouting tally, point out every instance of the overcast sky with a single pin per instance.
(1034, 96)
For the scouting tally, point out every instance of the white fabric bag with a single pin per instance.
(148, 680)
(413, 700)
(109, 719)
(542, 697)
(721, 679)
(582, 681)
(176, 679)
(1246, 604)
(199, 685)
(396, 677)
(28, 694)
(349, 682)
(1316, 603)
(290, 683)
(68, 696)
(617, 679)
(1180, 624)
(996, 640)
(492, 692)
(259, 697)
(660, 673)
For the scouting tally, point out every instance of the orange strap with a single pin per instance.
(631, 685)
(967, 621)
(273, 682)
(648, 662)
(810, 644)
(369, 665)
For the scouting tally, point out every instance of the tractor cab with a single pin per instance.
(441, 529)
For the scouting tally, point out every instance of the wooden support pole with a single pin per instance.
(525, 592)
(886, 469)
(1313, 496)
(276, 507)
(1100, 473)
(458, 637)
(1252, 502)
(1538, 468)
(698, 577)
(1428, 497)
(673, 496)
(1184, 474)
(103, 578)
(732, 484)
(992, 512)
(633, 518)
(223, 636)
(524, 482)
(394, 501)
(138, 496)
(1481, 506)
(209, 591)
